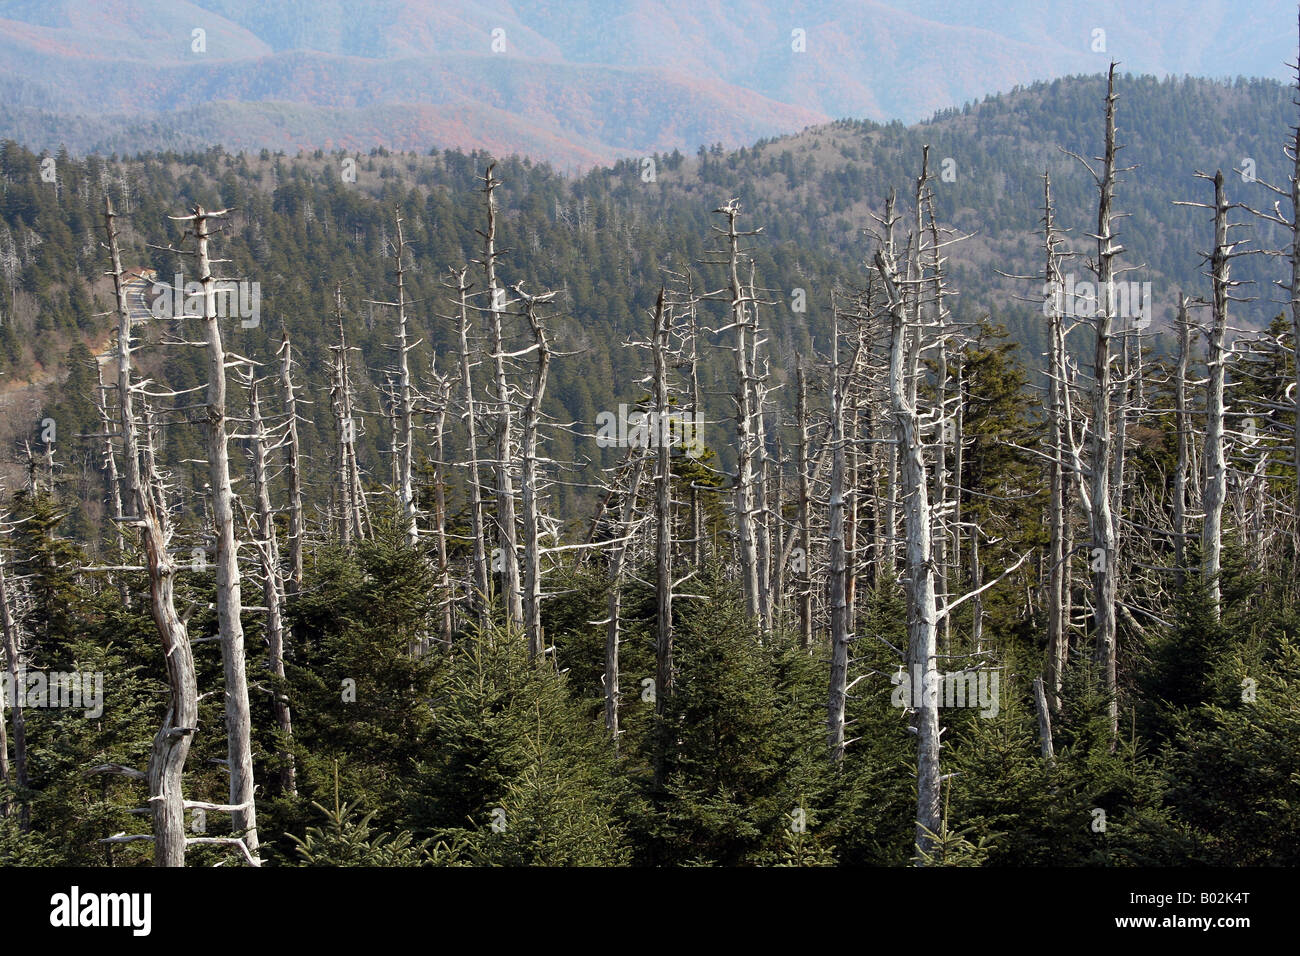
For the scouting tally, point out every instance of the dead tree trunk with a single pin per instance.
(1058, 604)
(805, 517)
(1104, 543)
(1294, 292)
(1182, 424)
(229, 601)
(443, 386)
(747, 542)
(404, 401)
(835, 707)
(530, 483)
(481, 571)
(663, 489)
(1216, 464)
(693, 367)
(272, 587)
(6, 802)
(852, 400)
(1045, 744)
(171, 745)
(617, 559)
(9, 632)
(351, 492)
(505, 491)
(762, 528)
(922, 614)
(296, 530)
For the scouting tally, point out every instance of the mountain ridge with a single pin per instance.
(584, 85)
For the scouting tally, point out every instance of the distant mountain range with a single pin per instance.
(576, 83)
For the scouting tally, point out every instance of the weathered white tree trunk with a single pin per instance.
(804, 576)
(1182, 423)
(272, 586)
(747, 541)
(922, 613)
(693, 371)
(617, 559)
(505, 490)
(442, 403)
(352, 495)
(835, 707)
(171, 745)
(405, 402)
(663, 491)
(530, 485)
(113, 481)
(1058, 605)
(9, 633)
(229, 601)
(1294, 292)
(1046, 747)
(481, 570)
(1104, 556)
(762, 528)
(1216, 464)
(294, 464)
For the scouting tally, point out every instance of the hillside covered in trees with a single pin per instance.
(879, 495)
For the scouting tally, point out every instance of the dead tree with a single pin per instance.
(1102, 518)
(805, 515)
(481, 572)
(6, 802)
(1216, 464)
(272, 584)
(293, 583)
(1215, 490)
(403, 400)
(663, 496)
(441, 386)
(757, 400)
(1182, 424)
(1059, 597)
(354, 519)
(171, 745)
(627, 527)
(922, 616)
(505, 489)
(692, 364)
(739, 302)
(9, 633)
(840, 637)
(530, 482)
(1293, 288)
(229, 600)
(113, 482)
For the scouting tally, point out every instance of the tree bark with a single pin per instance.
(296, 529)
(272, 588)
(922, 611)
(482, 575)
(1216, 465)
(530, 481)
(229, 601)
(171, 744)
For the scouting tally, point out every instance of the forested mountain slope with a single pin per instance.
(1056, 538)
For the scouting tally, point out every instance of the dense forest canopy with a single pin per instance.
(923, 498)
